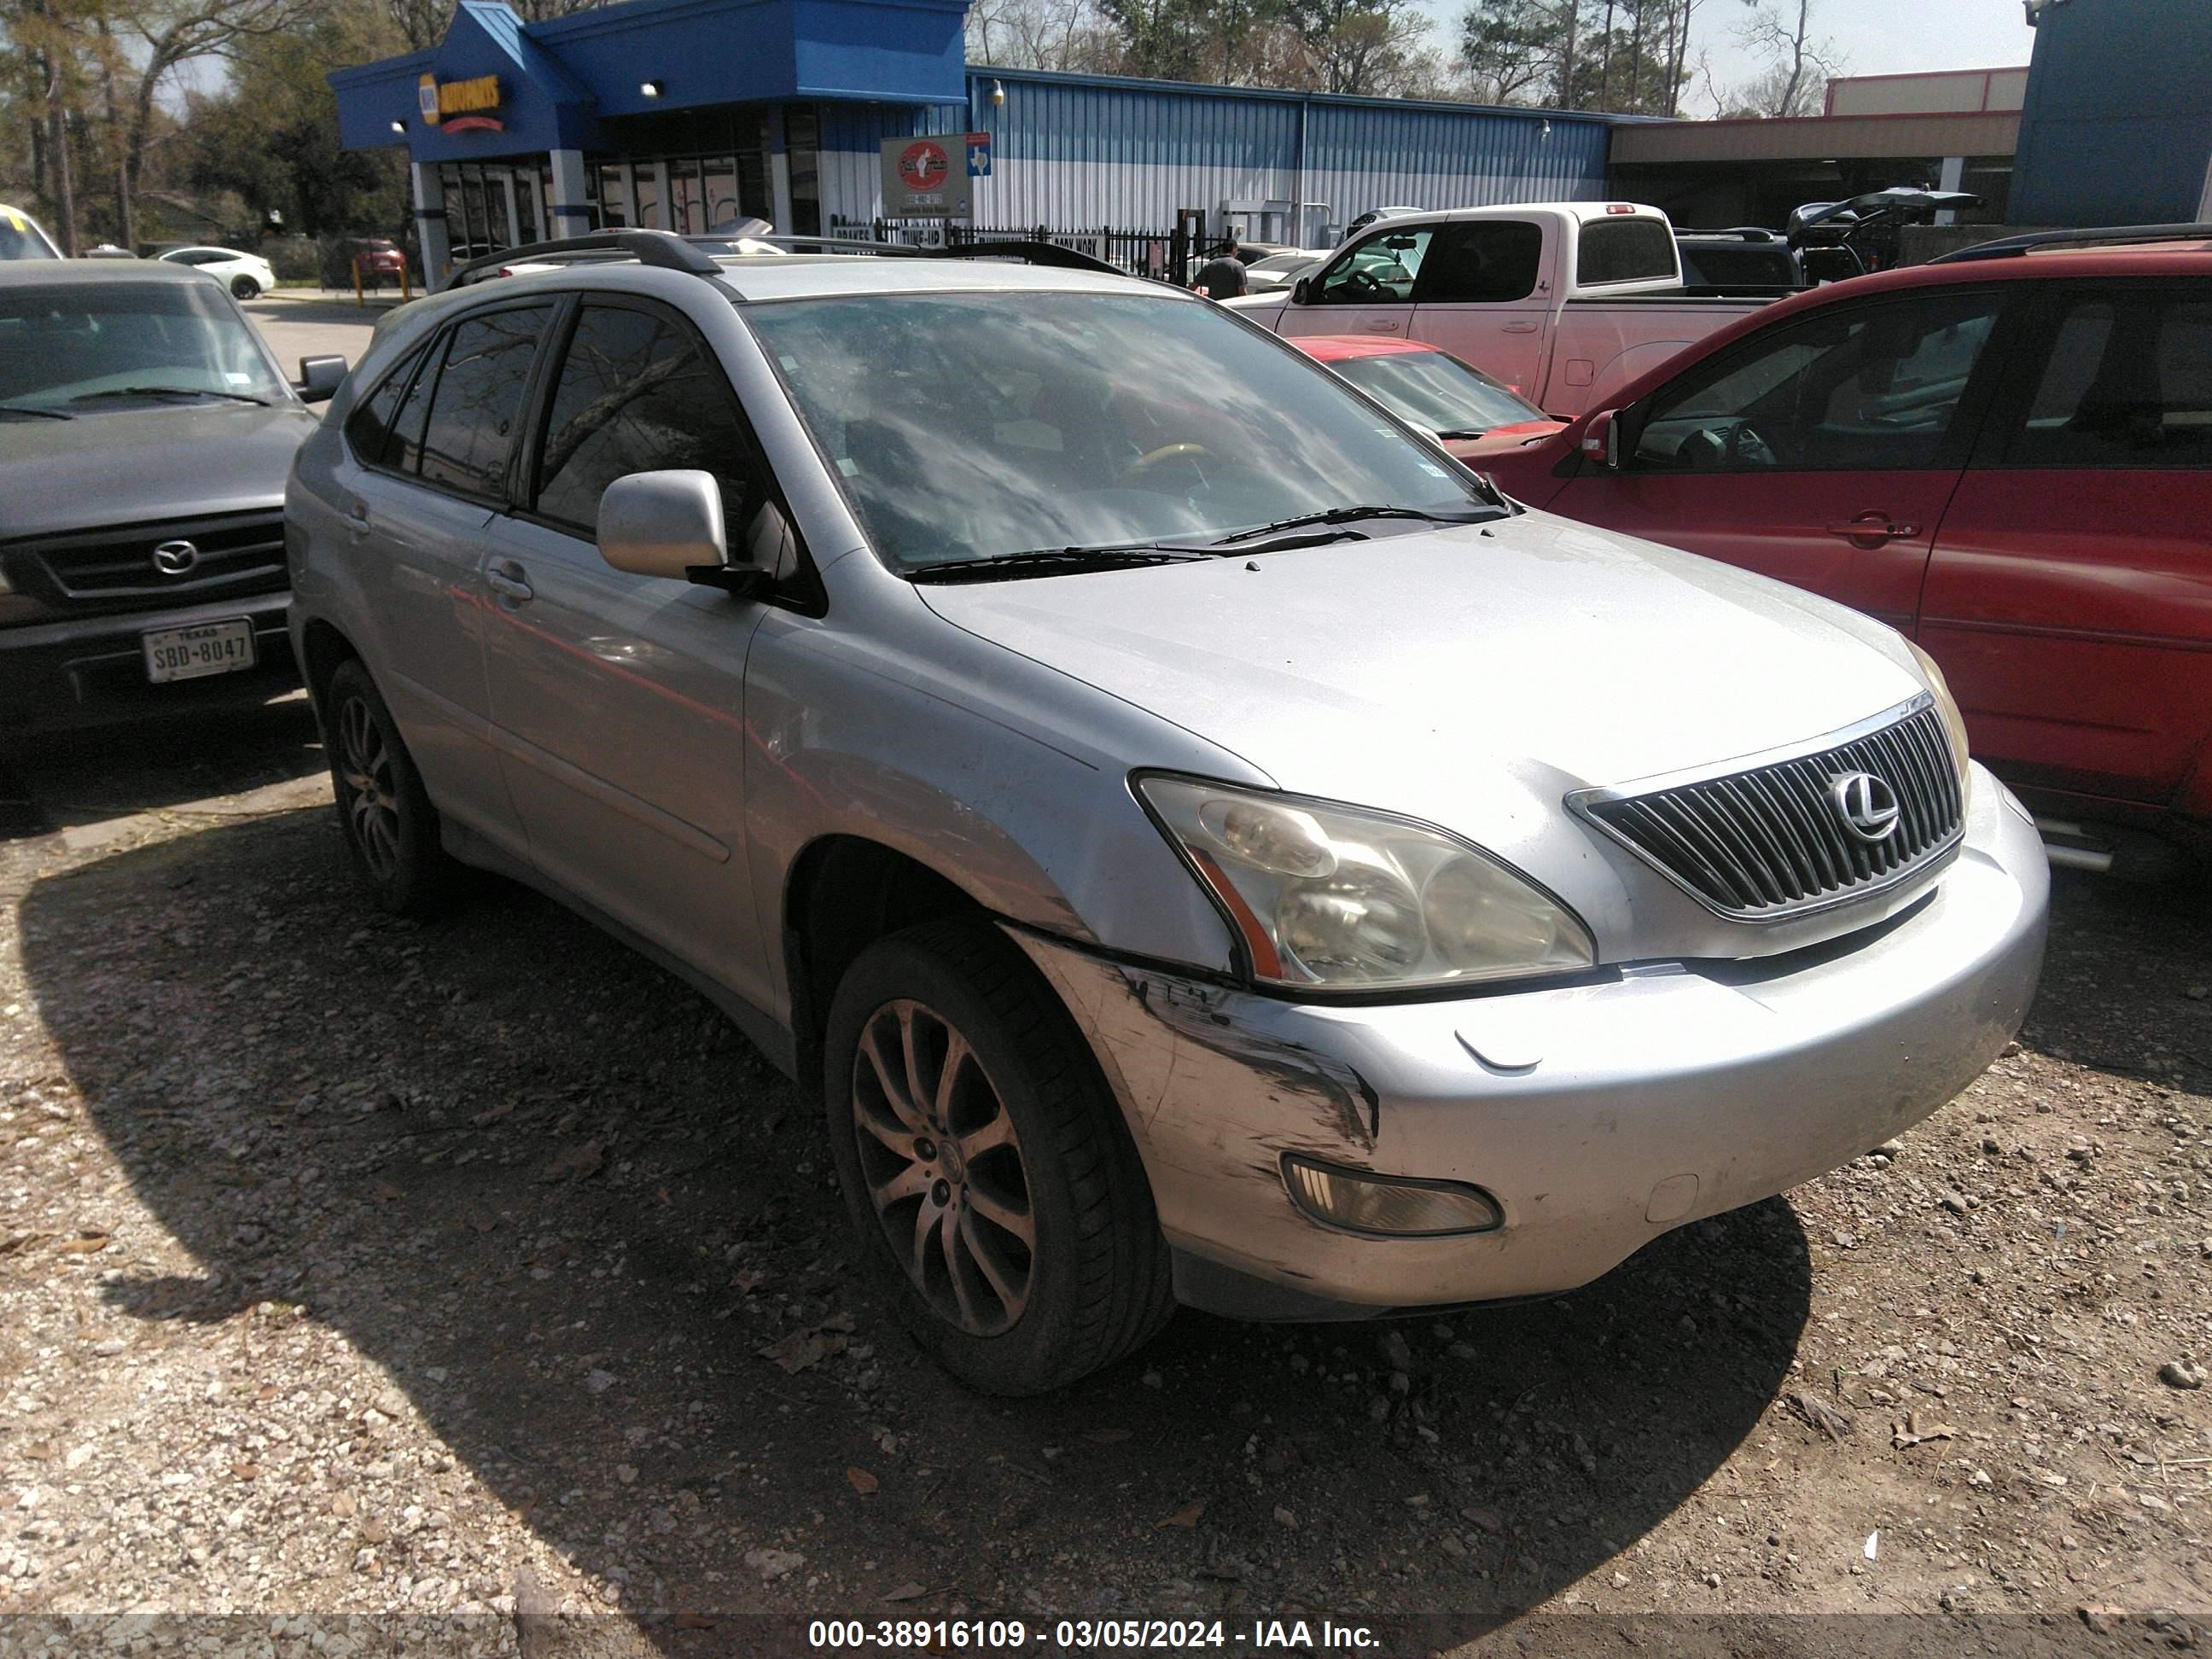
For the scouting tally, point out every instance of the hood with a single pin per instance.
(1467, 678)
(122, 465)
(1503, 440)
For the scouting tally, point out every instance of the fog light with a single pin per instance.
(1399, 1206)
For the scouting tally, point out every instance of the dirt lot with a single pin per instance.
(354, 1266)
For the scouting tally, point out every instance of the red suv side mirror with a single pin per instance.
(1600, 439)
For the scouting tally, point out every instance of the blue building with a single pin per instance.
(687, 114)
(2116, 126)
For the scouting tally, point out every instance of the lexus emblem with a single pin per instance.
(175, 558)
(1867, 805)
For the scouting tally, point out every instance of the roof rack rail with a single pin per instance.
(2009, 247)
(651, 247)
(1026, 248)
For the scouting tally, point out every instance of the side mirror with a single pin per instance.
(669, 524)
(320, 377)
(1600, 439)
(1302, 291)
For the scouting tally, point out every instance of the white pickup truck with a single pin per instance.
(1563, 301)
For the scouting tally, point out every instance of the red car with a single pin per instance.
(2005, 454)
(1477, 418)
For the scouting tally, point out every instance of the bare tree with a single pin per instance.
(1797, 64)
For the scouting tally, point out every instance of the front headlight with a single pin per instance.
(1954, 723)
(1334, 897)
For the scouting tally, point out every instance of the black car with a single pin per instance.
(145, 437)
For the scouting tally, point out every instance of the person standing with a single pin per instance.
(1222, 277)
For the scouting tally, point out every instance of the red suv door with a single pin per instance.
(1822, 450)
(2069, 598)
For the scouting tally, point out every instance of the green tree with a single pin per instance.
(272, 135)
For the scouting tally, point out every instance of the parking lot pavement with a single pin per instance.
(300, 327)
(349, 1264)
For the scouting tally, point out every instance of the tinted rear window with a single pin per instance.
(478, 400)
(1625, 250)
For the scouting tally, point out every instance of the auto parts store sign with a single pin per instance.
(925, 177)
(471, 105)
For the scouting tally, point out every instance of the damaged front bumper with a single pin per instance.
(1597, 1115)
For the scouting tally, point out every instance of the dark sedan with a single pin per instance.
(145, 437)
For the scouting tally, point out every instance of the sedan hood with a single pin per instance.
(1468, 678)
(124, 466)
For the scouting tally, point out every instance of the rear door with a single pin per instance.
(428, 459)
(1821, 451)
(1366, 290)
(619, 698)
(2069, 598)
(1483, 296)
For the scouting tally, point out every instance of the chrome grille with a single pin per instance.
(235, 553)
(1774, 840)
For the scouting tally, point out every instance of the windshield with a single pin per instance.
(20, 239)
(1438, 391)
(66, 342)
(968, 426)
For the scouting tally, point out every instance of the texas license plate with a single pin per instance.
(190, 653)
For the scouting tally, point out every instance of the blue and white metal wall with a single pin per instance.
(1073, 151)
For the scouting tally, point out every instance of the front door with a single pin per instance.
(619, 698)
(1484, 295)
(1366, 290)
(1821, 451)
(2069, 599)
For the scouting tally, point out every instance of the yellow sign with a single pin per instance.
(440, 99)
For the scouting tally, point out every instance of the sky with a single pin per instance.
(1876, 37)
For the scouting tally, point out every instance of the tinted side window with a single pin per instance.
(369, 429)
(478, 400)
(2128, 383)
(1868, 387)
(636, 394)
(1483, 259)
(1378, 271)
(1624, 250)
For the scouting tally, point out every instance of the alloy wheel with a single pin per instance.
(372, 800)
(944, 1168)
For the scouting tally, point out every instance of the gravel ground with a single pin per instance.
(351, 1266)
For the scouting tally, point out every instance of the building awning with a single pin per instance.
(497, 87)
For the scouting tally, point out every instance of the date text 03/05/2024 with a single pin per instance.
(985, 1635)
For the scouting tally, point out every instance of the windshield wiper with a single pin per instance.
(1352, 515)
(168, 391)
(28, 408)
(1463, 432)
(1058, 562)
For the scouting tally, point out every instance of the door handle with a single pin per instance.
(1871, 530)
(505, 580)
(1518, 328)
(356, 518)
(1381, 325)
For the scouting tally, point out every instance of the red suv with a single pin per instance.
(2005, 454)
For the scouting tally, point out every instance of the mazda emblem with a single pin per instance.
(1867, 805)
(175, 558)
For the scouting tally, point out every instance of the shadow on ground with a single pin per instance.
(50, 778)
(567, 1206)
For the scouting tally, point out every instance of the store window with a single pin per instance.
(802, 144)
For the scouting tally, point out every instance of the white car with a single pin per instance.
(243, 274)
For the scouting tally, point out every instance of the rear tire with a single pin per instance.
(391, 828)
(244, 288)
(1003, 1204)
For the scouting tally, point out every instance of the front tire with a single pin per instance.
(391, 828)
(244, 288)
(985, 1165)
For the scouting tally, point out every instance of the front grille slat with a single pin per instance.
(1772, 840)
(115, 564)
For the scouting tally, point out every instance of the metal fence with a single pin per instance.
(1164, 254)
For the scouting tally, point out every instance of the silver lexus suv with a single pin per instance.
(1204, 845)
